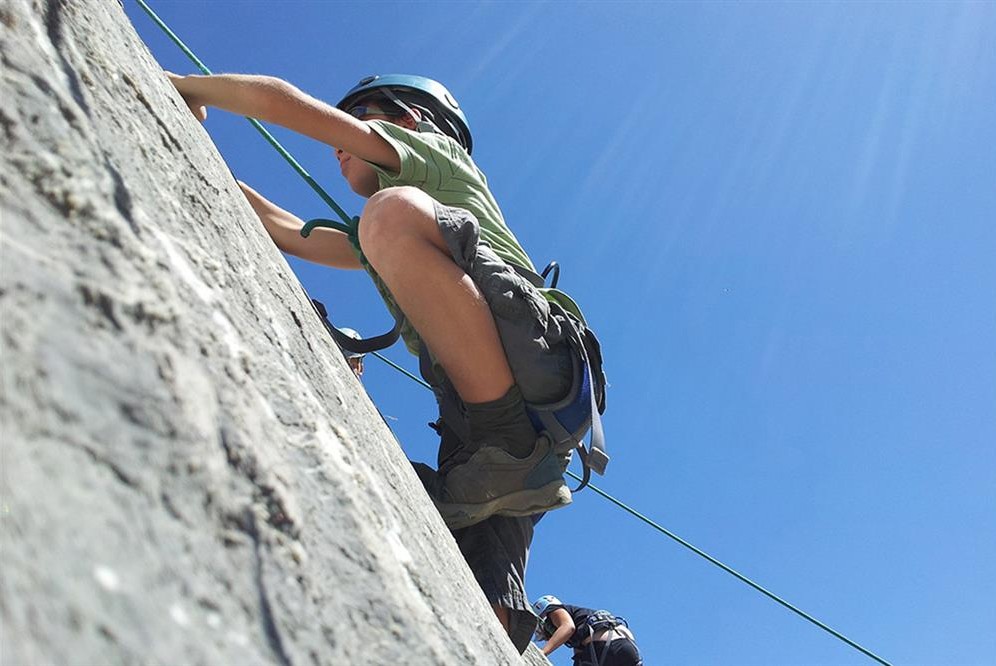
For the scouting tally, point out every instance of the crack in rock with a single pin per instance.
(53, 26)
(270, 629)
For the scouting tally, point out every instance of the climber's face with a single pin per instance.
(361, 177)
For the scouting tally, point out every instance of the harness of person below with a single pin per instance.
(597, 622)
(601, 620)
(566, 421)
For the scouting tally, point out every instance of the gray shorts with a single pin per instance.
(535, 341)
(536, 346)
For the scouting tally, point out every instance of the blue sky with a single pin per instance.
(779, 218)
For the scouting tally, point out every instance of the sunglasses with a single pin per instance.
(361, 111)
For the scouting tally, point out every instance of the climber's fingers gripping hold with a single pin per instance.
(195, 106)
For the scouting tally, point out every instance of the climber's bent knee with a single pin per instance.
(395, 217)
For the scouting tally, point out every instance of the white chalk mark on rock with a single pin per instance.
(179, 615)
(106, 578)
(183, 268)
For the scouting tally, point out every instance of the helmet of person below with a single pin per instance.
(544, 602)
(350, 333)
(418, 91)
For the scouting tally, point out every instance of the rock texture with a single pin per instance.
(190, 474)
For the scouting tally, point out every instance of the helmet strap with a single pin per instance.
(421, 124)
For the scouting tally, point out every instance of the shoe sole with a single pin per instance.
(554, 495)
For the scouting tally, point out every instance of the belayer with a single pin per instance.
(515, 371)
(598, 637)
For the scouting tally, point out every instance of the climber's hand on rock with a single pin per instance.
(195, 106)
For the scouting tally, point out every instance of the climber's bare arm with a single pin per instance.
(323, 246)
(274, 100)
(565, 629)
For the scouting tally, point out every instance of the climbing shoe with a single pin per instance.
(494, 482)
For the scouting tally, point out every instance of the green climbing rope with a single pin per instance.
(348, 226)
(731, 571)
(402, 370)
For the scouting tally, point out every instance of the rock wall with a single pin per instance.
(189, 472)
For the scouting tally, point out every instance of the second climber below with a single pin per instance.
(598, 637)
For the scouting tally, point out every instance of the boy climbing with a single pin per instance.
(433, 239)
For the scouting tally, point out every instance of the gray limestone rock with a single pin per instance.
(189, 472)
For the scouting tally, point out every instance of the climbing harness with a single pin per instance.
(348, 226)
(599, 621)
(602, 620)
(568, 420)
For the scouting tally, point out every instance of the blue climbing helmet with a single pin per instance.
(439, 109)
(541, 605)
(350, 333)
